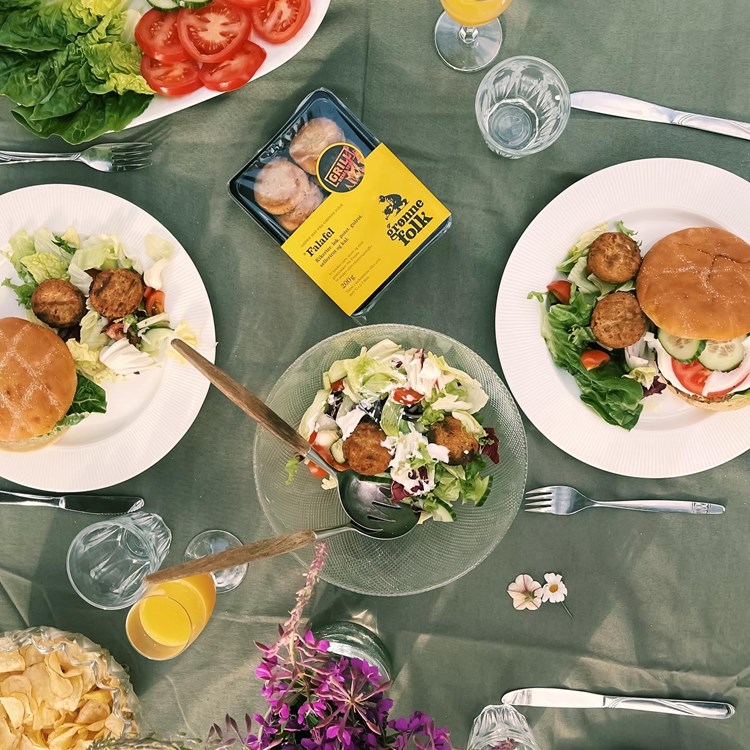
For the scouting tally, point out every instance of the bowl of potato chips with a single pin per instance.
(60, 691)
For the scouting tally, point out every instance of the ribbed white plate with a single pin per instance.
(654, 197)
(277, 55)
(148, 414)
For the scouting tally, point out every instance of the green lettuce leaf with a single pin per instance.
(89, 398)
(23, 292)
(113, 66)
(615, 398)
(43, 266)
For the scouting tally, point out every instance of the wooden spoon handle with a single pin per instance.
(249, 403)
(235, 556)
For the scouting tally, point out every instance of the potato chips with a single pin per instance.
(56, 694)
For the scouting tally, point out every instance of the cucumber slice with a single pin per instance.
(192, 3)
(685, 350)
(443, 512)
(337, 451)
(722, 355)
(164, 4)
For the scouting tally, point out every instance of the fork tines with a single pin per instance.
(133, 155)
(538, 500)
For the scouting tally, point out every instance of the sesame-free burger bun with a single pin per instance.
(37, 381)
(695, 283)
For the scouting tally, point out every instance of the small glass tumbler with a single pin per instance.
(350, 639)
(501, 727)
(522, 106)
(108, 561)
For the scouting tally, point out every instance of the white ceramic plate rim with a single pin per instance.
(277, 55)
(89, 456)
(672, 438)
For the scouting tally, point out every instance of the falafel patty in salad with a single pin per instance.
(407, 416)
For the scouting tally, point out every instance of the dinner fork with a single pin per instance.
(561, 500)
(104, 157)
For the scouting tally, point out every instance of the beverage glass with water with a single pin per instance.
(522, 106)
(108, 561)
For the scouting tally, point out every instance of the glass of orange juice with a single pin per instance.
(468, 36)
(170, 616)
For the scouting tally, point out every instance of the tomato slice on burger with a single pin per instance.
(277, 21)
(692, 376)
(156, 35)
(213, 32)
(171, 78)
(230, 74)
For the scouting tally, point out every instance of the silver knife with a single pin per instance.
(624, 106)
(562, 698)
(107, 505)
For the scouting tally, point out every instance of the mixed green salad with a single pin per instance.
(104, 349)
(408, 417)
(71, 66)
(612, 382)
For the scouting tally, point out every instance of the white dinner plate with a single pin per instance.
(654, 197)
(277, 55)
(147, 414)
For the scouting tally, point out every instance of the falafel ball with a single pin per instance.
(614, 257)
(617, 320)
(58, 303)
(116, 293)
(363, 450)
(450, 433)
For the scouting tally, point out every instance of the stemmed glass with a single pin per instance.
(468, 36)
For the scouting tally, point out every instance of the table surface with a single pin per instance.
(658, 600)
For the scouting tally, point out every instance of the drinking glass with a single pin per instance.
(522, 106)
(351, 639)
(170, 616)
(108, 561)
(468, 35)
(210, 542)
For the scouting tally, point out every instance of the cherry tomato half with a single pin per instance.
(406, 396)
(213, 32)
(155, 302)
(170, 78)
(592, 358)
(337, 385)
(156, 35)
(234, 72)
(692, 376)
(561, 290)
(277, 21)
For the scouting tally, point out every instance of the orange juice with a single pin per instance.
(170, 616)
(474, 12)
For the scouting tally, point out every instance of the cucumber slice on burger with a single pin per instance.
(722, 355)
(685, 350)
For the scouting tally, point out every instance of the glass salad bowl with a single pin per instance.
(434, 553)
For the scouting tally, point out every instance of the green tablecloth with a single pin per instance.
(659, 601)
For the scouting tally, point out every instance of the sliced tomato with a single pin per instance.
(156, 35)
(337, 385)
(171, 78)
(315, 470)
(592, 358)
(277, 21)
(155, 302)
(692, 376)
(213, 32)
(230, 74)
(247, 3)
(561, 290)
(115, 330)
(406, 396)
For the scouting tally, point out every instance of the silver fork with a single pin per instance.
(105, 157)
(561, 500)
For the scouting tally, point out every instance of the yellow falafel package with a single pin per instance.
(344, 208)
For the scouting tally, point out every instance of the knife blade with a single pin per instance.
(617, 105)
(96, 504)
(564, 698)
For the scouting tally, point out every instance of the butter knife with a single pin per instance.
(634, 109)
(563, 698)
(106, 505)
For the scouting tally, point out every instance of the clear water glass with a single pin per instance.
(501, 728)
(209, 543)
(108, 561)
(522, 106)
(356, 641)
